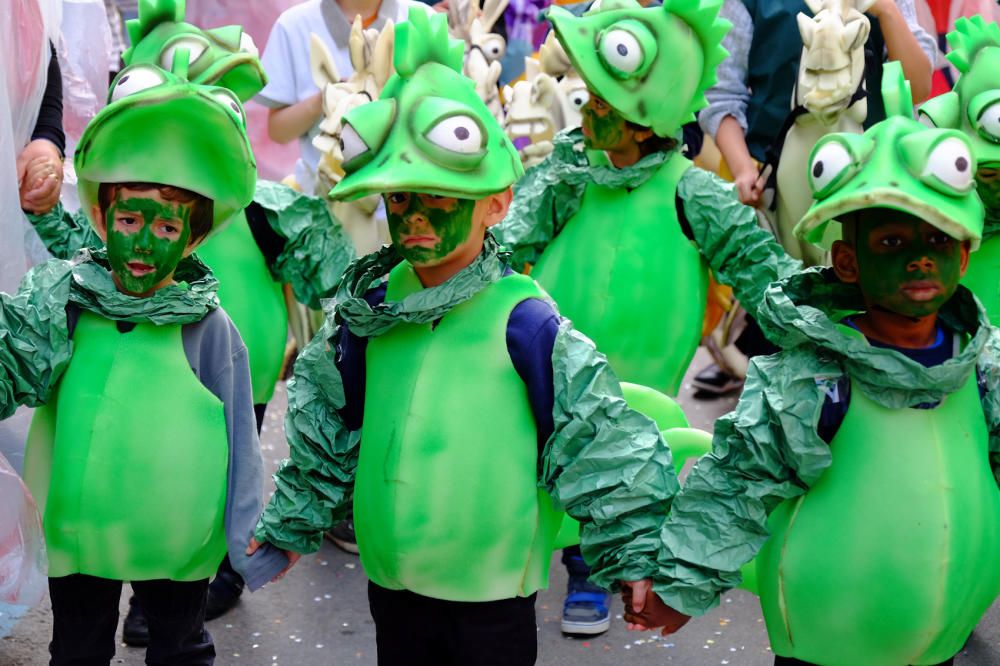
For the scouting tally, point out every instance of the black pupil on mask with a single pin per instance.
(123, 79)
(961, 164)
(234, 107)
(461, 133)
(818, 169)
(622, 50)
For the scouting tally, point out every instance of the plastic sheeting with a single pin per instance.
(22, 550)
(25, 28)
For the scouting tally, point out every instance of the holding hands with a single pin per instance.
(39, 176)
(644, 610)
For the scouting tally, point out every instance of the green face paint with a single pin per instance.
(988, 188)
(603, 127)
(906, 265)
(425, 229)
(146, 240)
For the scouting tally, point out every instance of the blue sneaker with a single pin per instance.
(586, 609)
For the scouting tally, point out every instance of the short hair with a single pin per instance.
(201, 212)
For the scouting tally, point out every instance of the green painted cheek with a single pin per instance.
(989, 192)
(605, 132)
(451, 227)
(882, 276)
(144, 246)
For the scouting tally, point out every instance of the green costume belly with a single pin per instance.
(446, 500)
(890, 558)
(252, 299)
(139, 454)
(628, 278)
(983, 277)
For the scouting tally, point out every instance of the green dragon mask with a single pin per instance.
(652, 65)
(429, 132)
(898, 163)
(225, 56)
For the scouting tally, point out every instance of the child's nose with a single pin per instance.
(923, 264)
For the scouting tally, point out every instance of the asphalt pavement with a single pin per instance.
(318, 614)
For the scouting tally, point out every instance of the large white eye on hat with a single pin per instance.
(834, 160)
(951, 163)
(231, 103)
(195, 45)
(351, 143)
(132, 80)
(984, 115)
(627, 49)
(459, 134)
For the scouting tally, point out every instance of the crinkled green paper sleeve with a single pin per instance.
(65, 233)
(605, 464)
(34, 336)
(317, 482)
(543, 201)
(317, 249)
(765, 451)
(740, 253)
(989, 370)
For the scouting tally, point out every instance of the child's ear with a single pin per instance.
(964, 251)
(497, 206)
(100, 222)
(845, 261)
(193, 245)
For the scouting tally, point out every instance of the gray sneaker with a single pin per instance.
(342, 535)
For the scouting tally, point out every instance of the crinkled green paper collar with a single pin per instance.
(576, 167)
(804, 310)
(194, 295)
(424, 306)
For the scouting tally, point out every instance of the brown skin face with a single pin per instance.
(605, 129)
(438, 235)
(906, 270)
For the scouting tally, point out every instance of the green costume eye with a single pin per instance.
(941, 159)
(627, 49)
(835, 161)
(352, 146)
(231, 103)
(364, 131)
(448, 134)
(984, 115)
(132, 80)
(196, 46)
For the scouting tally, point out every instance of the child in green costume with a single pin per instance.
(449, 400)
(862, 461)
(974, 108)
(143, 454)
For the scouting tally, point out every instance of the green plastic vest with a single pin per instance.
(983, 277)
(891, 557)
(627, 277)
(252, 299)
(136, 452)
(446, 499)
(774, 66)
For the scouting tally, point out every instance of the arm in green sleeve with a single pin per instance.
(64, 233)
(317, 249)
(605, 464)
(34, 336)
(316, 483)
(740, 253)
(543, 201)
(767, 450)
(989, 373)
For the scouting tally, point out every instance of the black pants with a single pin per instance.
(788, 661)
(85, 618)
(414, 630)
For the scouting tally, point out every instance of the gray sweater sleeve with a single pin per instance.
(218, 358)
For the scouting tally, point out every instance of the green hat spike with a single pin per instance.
(896, 92)
(969, 36)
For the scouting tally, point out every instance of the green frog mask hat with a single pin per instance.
(429, 132)
(651, 64)
(160, 128)
(225, 56)
(898, 163)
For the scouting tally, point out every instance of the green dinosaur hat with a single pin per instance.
(898, 163)
(429, 131)
(974, 104)
(225, 56)
(653, 64)
(160, 128)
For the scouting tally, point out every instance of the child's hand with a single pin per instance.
(749, 186)
(644, 610)
(292, 556)
(39, 175)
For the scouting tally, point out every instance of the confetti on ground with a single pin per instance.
(350, 565)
